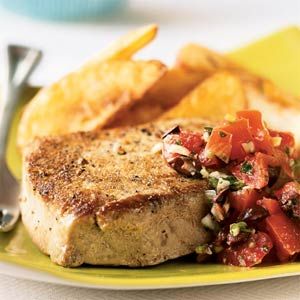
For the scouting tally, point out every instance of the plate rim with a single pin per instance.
(8, 267)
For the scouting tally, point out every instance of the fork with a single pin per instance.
(20, 63)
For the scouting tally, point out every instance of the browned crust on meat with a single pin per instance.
(85, 173)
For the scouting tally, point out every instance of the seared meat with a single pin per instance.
(108, 198)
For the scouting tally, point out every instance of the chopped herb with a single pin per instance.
(208, 129)
(178, 143)
(222, 134)
(213, 182)
(246, 168)
(204, 249)
(236, 228)
(235, 184)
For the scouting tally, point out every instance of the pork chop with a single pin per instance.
(109, 198)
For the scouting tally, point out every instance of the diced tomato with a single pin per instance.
(282, 159)
(254, 117)
(283, 231)
(220, 144)
(260, 133)
(256, 175)
(240, 134)
(212, 162)
(254, 170)
(243, 199)
(271, 205)
(191, 140)
(289, 198)
(287, 141)
(289, 191)
(285, 234)
(249, 253)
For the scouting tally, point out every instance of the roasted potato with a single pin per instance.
(219, 94)
(164, 94)
(280, 110)
(87, 99)
(126, 46)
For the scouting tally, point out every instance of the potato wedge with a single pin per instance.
(128, 45)
(198, 58)
(280, 110)
(165, 93)
(88, 98)
(218, 95)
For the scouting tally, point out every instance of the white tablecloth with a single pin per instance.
(274, 289)
(220, 24)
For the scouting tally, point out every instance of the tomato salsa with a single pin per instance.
(253, 194)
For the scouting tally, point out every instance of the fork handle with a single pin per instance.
(19, 63)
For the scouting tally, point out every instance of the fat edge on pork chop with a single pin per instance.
(107, 198)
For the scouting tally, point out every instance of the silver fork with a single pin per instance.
(20, 63)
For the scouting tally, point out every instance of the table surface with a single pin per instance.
(223, 25)
(275, 289)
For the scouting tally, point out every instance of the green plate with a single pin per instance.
(19, 257)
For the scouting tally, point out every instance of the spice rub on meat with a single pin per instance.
(109, 198)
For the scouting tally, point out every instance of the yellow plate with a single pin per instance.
(19, 257)
(276, 57)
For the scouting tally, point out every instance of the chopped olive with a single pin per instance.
(274, 173)
(208, 129)
(291, 207)
(254, 214)
(174, 130)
